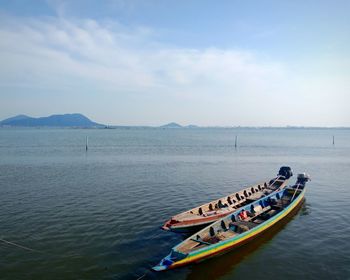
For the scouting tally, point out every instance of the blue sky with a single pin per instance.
(255, 63)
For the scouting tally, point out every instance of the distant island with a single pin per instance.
(65, 120)
(176, 125)
(171, 125)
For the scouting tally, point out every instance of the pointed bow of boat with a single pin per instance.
(164, 264)
(174, 225)
(167, 225)
(170, 261)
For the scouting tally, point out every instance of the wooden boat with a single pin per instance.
(232, 231)
(203, 215)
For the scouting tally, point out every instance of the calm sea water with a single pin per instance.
(96, 214)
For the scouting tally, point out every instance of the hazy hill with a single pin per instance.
(66, 120)
(171, 125)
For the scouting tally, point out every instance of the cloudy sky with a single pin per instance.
(227, 63)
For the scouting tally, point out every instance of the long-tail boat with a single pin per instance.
(236, 229)
(203, 215)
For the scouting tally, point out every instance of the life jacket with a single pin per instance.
(243, 215)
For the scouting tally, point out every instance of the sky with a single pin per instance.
(210, 63)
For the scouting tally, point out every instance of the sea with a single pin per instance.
(68, 213)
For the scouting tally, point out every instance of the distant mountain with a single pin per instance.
(15, 118)
(66, 120)
(171, 125)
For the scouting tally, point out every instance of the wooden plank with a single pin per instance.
(200, 241)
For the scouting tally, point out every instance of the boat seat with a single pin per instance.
(226, 234)
(221, 205)
(223, 225)
(243, 226)
(272, 201)
(211, 240)
(271, 212)
(258, 221)
(279, 205)
(200, 241)
(211, 231)
(255, 196)
(285, 200)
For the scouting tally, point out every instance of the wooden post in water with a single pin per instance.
(87, 143)
(333, 140)
(236, 142)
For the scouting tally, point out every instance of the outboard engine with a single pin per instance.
(302, 179)
(286, 172)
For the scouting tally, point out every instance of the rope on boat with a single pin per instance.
(142, 276)
(275, 181)
(19, 246)
(295, 192)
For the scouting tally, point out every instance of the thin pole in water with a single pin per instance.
(333, 140)
(87, 143)
(236, 141)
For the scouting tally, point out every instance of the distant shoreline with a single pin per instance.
(171, 128)
(79, 121)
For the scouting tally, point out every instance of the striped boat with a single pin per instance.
(198, 217)
(233, 231)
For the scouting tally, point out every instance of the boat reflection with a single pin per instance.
(305, 209)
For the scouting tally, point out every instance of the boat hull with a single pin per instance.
(243, 239)
(180, 225)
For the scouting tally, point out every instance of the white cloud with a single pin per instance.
(113, 56)
(77, 56)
